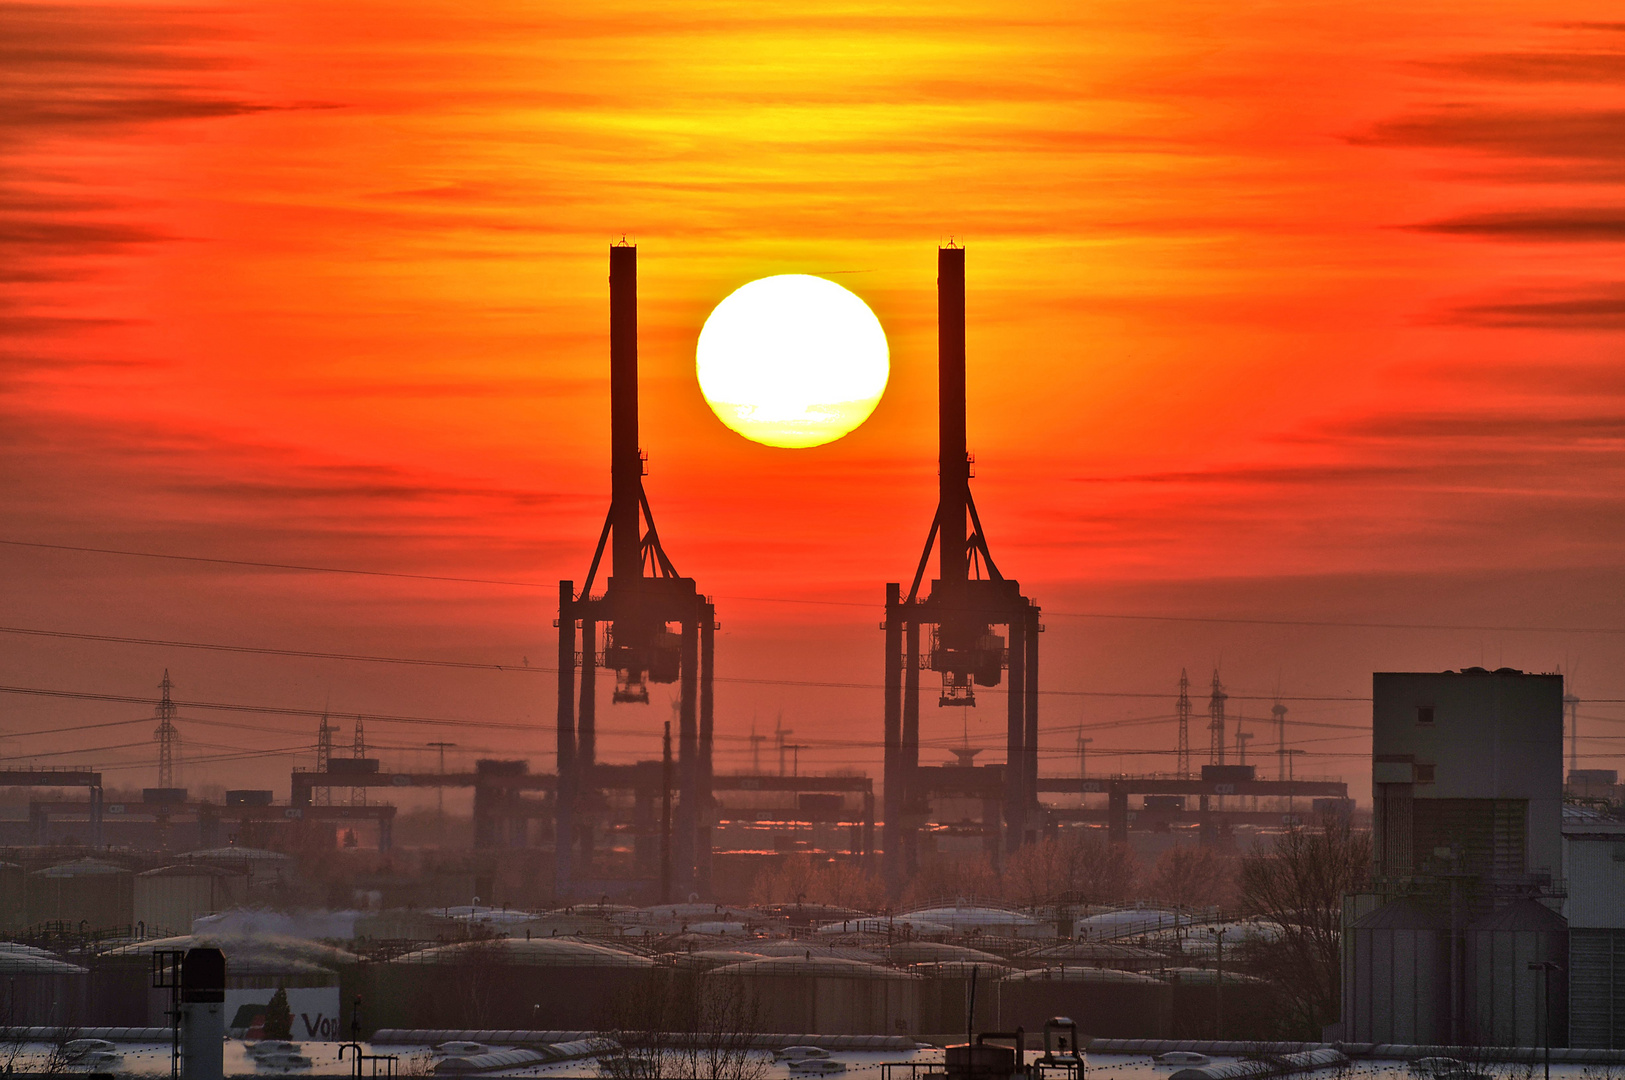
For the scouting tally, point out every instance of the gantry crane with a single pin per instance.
(968, 599)
(657, 628)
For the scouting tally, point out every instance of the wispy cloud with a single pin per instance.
(1580, 224)
(1590, 307)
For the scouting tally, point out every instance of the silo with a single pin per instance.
(167, 899)
(1507, 1003)
(1107, 1003)
(1396, 985)
(86, 894)
(829, 996)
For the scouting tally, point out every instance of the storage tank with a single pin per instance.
(13, 897)
(38, 989)
(986, 921)
(1102, 954)
(1240, 1007)
(1507, 1003)
(829, 996)
(1108, 1003)
(1396, 986)
(169, 898)
(550, 984)
(263, 868)
(86, 894)
(257, 965)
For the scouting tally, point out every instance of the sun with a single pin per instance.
(792, 360)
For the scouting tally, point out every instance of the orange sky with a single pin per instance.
(1277, 311)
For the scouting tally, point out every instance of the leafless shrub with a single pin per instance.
(1300, 885)
(686, 1026)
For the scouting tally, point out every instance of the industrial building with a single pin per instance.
(1461, 939)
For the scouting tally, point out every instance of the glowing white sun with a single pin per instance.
(792, 360)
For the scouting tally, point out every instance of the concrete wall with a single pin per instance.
(1494, 735)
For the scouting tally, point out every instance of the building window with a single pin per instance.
(1424, 774)
(1424, 714)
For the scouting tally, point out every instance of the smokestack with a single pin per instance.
(626, 470)
(953, 470)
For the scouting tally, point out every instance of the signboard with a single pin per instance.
(315, 1011)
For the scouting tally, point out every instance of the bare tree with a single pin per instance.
(1191, 876)
(1300, 885)
(830, 881)
(475, 978)
(61, 1056)
(686, 1026)
(1075, 867)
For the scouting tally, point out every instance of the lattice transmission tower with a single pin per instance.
(358, 795)
(1183, 708)
(1215, 723)
(324, 754)
(166, 735)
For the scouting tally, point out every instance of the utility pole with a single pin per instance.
(166, 735)
(1242, 739)
(782, 732)
(1183, 708)
(1279, 712)
(1083, 758)
(1291, 801)
(440, 788)
(1215, 724)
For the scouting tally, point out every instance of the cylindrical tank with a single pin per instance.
(829, 996)
(1508, 1003)
(1113, 1004)
(1396, 984)
(85, 894)
(543, 984)
(167, 899)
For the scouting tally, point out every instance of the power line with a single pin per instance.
(274, 566)
(313, 654)
(304, 654)
(1334, 624)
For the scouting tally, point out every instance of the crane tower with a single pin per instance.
(967, 600)
(657, 628)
